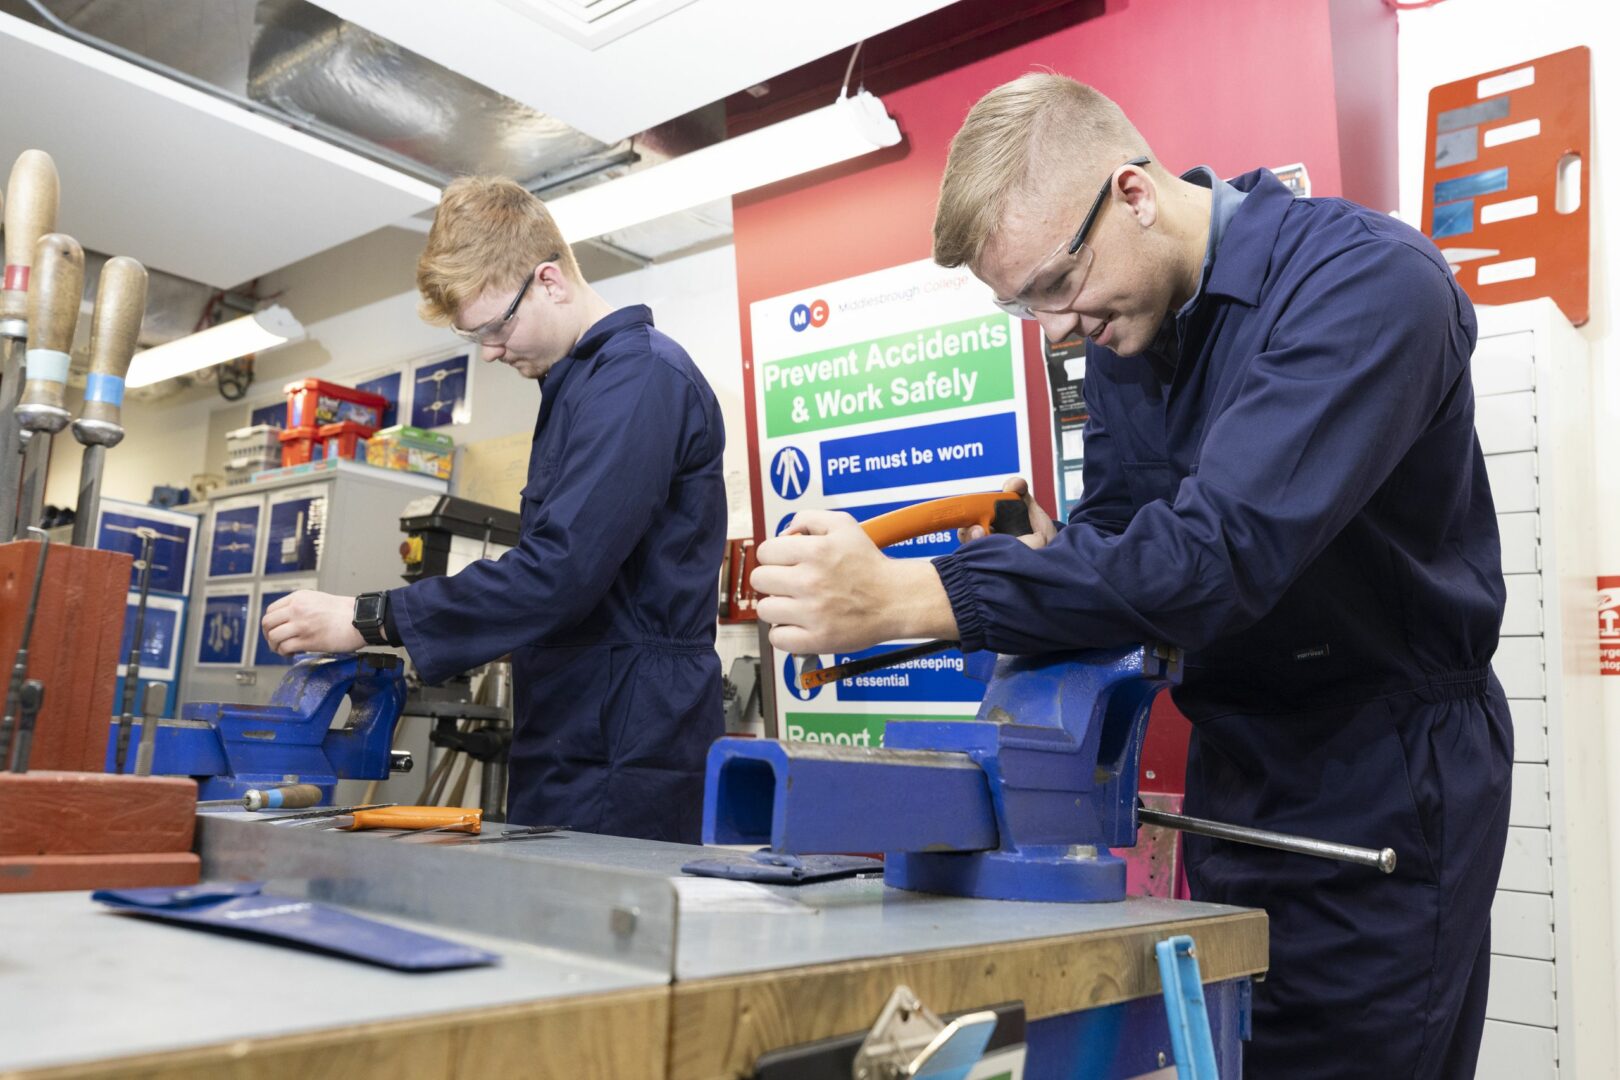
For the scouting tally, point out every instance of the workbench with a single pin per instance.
(613, 965)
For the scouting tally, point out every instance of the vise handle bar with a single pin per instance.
(1382, 860)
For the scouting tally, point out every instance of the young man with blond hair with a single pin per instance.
(608, 603)
(1282, 478)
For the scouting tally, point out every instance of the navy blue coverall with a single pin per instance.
(608, 602)
(1299, 500)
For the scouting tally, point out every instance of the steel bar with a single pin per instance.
(1379, 859)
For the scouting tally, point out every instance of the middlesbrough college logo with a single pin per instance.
(804, 316)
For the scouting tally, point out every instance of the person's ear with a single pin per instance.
(550, 279)
(1140, 194)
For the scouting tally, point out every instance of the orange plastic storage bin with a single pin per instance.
(343, 440)
(314, 403)
(299, 446)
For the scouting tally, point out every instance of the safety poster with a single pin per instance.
(873, 393)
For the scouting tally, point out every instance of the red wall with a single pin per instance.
(1235, 85)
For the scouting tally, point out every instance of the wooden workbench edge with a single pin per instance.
(598, 1037)
(720, 1027)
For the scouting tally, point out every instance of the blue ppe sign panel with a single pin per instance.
(936, 677)
(954, 450)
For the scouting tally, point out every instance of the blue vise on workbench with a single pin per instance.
(231, 749)
(1020, 803)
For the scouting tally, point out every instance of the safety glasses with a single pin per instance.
(495, 330)
(1053, 286)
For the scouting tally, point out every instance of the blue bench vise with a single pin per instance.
(1023, 802)
(231, 749)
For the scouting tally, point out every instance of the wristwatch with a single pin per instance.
(371, 617)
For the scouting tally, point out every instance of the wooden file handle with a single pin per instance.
(30, 212)
(53, 313)
(120, 304)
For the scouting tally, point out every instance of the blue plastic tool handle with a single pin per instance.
(1190, 1038)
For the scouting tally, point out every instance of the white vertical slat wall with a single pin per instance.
(1551, 1008)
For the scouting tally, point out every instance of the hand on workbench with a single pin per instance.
(1039, 520)
(825, 587)
(307, 621)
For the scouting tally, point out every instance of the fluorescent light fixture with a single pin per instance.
(848, 128)
(254, 333)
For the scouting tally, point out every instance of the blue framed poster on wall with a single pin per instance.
(440, 391)
(388, 388)
(225, 632)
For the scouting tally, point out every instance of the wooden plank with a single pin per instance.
(71, 873)
(601, 1037)
(95, 813)
(719, 1027)
(74, 648)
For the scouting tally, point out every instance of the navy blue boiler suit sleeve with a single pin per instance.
(1356, 367)
(1106, 502)
(628, 435)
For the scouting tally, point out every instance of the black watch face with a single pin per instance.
(368, 609)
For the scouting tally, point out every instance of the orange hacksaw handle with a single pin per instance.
(449, 818)
(936, 515)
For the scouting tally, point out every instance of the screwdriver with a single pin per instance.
(285, 797)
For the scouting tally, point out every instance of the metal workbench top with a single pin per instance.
(571, 916)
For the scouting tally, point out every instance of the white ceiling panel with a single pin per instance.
(692, 54)
(180, 180)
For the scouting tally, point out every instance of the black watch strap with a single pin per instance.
(371, 617)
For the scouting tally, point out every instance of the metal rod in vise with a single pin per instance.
(814, 677)
(132, 669)
(1379, 859)
(18, 684)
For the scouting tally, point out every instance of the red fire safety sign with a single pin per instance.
(1608, 609)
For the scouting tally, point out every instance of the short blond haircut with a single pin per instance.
(1025, 137)
(488, 232)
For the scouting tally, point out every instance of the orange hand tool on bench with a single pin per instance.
(414, 818)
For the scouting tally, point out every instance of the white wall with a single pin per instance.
(1459, 38)
(693, 299)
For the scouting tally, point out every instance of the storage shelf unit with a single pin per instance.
(333, 526)
(1551, 1010)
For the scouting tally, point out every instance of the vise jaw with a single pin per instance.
(233, 748)
(1020, 803)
